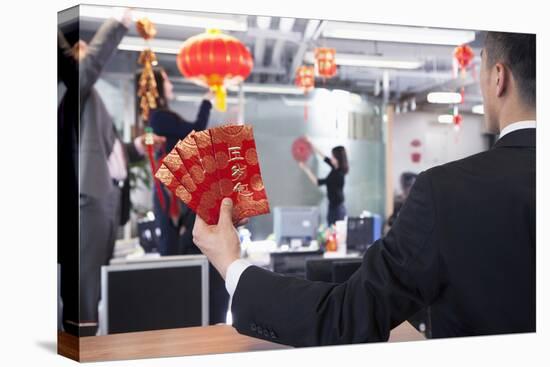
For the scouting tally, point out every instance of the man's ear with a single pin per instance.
(502, 79)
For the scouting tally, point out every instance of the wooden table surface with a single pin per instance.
(180, 342)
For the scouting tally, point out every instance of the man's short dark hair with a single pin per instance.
(518, 52)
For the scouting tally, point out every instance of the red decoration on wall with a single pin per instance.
(215, 60)
(325, 62)
(416, 143)
(301, 149)
(416, 155)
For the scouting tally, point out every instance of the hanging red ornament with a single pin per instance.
(325, 62)
(463, 55)
(301, 149)
(457, 120)
(305, 79)
(215, 60)
(148, 89)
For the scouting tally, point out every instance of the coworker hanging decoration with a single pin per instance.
(215, 60)
(305, 79)
(325, 62)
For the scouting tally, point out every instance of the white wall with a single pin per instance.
(440, 142)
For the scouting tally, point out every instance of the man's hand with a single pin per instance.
(219, 242)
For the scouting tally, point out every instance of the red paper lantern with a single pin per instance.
(215, 60)
(464, 56)
(416, 157)
(305, 78)
(325, 62)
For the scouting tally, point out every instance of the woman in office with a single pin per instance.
(175, 220)
(335, 181)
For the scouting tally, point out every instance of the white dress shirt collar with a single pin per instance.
(527, 124)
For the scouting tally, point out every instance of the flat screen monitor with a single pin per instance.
(163, 293)
(297, 222)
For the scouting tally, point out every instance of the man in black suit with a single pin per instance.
(463, 243)
(94, 165)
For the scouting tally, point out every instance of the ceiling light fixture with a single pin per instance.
(224, 22)
(369, 61)
(402, 34)
(444, 97)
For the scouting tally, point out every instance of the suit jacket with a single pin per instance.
(463, 243)
(97, 135)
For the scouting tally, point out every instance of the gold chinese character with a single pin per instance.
(235, 154)
(238, 171)
(242, 189)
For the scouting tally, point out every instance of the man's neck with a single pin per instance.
(516, 116)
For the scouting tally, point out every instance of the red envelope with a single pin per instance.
(209, 165)
(206, 196)
(238, 170)
(206, 154)
(173, 162)
(165, 176)
(195, 202)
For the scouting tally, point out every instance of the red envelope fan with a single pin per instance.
(206, 154)
(238, 170)
(301, 149)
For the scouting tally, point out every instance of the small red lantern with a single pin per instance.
(463, 55)
(325, 62)
(416, 154)
(305, 79)
(457, 120)
(215, 60)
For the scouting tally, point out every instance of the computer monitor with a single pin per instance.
(297, 222)
(363, 231)
(161, 293)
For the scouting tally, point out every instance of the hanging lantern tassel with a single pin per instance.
(149, 143)
(221, 97)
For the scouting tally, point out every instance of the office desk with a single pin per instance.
(180, 342)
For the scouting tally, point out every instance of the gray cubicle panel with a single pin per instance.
(151, 294)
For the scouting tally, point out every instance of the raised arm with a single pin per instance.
(309, 174)
(67, 66)
(314, 147)
(100, 49)
(203, 115)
